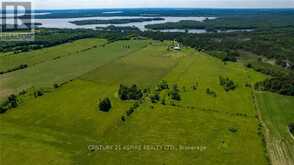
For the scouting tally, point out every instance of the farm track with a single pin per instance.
(216, 111)
(276, 148)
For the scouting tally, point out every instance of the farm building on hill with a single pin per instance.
(175, 46)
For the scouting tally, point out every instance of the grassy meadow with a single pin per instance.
(67, 67)
(278, 113)
(57, 128)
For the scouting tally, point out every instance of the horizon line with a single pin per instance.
(109, 8)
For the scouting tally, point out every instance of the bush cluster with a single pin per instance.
(283, 86)
(227, 83)
(155, 98)
(175, 93)
(12, 102)
(163, 85)
(130, 93)
(105, 105)
(22, 66)
(130, 111)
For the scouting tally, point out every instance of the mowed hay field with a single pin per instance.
(10, 60)
(58, 127)
(67, 67)
(278, 113)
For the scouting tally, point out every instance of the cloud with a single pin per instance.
(61, 4)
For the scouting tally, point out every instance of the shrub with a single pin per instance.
(155, 98)
(105, 105)
(174, 93)
(130, 93)
(291, 128)
(22, 66)
(123, 118)
(249, 65)
(130, 111)
(56, 86)
(133, 108)
(195, 86)
(136, 105)
(146, 91)
(231, 56)
(38, 93)
(227, 83)
(3, 109)
(163, 85)
(210, 92)
(12, 100)
(233, 130)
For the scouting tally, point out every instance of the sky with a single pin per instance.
(77, 4)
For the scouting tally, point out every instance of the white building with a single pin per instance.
(176, 46)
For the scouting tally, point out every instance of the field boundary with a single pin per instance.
(216, 111)
(266, 131)
(112, 61)
(276, 149)
(53, 59)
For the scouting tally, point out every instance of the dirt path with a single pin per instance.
(276, 148)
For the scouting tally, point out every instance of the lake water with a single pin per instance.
(65, 23)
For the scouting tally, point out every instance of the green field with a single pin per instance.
(278, 113)
(58, 127)
(65, 68)
(9, 60)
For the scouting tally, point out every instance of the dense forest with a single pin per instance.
(45, 38)
(52, 37)
(231, 22)
(281, 85)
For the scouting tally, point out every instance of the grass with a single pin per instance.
(168, 125)
(278, 113)
(60, 124)
(145, 67)
(63, 123)
(205, 71)
(9, 61)
(67, 68)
